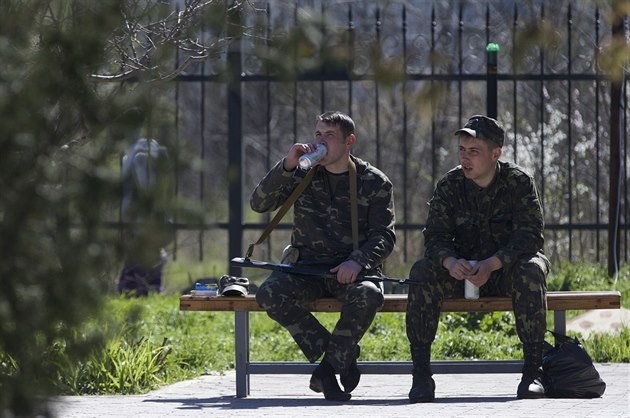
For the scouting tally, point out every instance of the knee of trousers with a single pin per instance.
(422, 270)
(368, 295)
(423, 274)
(375, 298)
(529, 275)
(265, 296)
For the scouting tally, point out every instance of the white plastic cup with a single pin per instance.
(470, 290)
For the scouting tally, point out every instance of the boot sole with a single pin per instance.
(530, 396)
(338, 398)
(317, 386)
(421, 400)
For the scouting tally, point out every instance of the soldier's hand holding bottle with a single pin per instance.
(304, 155)
(462, 269)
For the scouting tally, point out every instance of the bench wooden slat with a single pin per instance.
(556, 301)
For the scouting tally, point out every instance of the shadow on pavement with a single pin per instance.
(231, 402)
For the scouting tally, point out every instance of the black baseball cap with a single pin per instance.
(480, 126)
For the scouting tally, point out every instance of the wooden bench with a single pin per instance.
(557, 302)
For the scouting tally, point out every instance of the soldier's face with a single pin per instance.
(338, 146)
(478, 159)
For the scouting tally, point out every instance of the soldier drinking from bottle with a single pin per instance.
(322, 237)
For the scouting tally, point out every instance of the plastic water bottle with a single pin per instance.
(306, 161)
(470, 290)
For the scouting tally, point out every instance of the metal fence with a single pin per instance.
(413, 73)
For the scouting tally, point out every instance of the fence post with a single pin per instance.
(235, 181)
(492, 51)
(235, 138)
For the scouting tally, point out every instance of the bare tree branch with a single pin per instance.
(144, 46)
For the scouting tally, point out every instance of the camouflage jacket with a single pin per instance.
(504, 219)
(322, 227)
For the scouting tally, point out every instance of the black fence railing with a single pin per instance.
(413, 73)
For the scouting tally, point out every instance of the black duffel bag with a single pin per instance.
(568, 370)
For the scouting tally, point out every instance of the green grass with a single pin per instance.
(151, 343)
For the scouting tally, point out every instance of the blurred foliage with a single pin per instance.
(58, 135)
(62, 135)
(314, 45)
(613, 53)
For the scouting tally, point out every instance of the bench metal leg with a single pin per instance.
(560, 322)
(244, 368)
(241, 349)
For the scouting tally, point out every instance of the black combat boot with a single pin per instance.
(350, 380)
(531, 386)
(423, 386)
(324, 380)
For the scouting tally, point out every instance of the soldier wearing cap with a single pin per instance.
(489, 211)
(323, 238)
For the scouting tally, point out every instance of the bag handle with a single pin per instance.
(561, 338)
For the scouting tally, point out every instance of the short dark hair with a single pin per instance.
(345, 122)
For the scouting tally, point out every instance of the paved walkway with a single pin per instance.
(600, 321)
(474, 395)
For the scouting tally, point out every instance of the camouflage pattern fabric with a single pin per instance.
(322, 236)
(283, 297)
(322, 228)
(466, 221)
(525, 282)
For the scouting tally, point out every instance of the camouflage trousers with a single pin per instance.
(525, 282)
(283, 297)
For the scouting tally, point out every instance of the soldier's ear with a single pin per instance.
(350, 140)
(496, 153)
